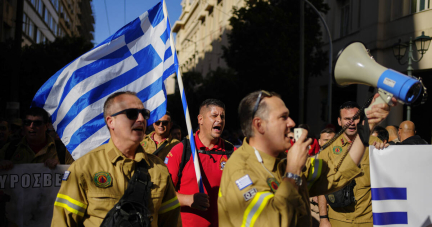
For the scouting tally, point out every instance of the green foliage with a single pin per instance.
(264, 46)
(36, 64)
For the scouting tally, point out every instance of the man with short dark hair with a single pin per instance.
(200, 209)
(35, 147)
(358, 213)
(176, 132)
(326, 135)
(381, 133)
(96, 182)
(407, 134)
(259, 187)
(160, 142)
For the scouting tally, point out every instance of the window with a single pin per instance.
(33, 2)
(31, 28)
(45, 15)
(38, 36)
(24, 24)
(345, 18)
(420, 5)
(40, 8)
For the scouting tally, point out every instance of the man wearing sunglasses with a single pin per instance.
(260, 187)
(96, 182)
(160, 141)
(200, 209)
(35, 147)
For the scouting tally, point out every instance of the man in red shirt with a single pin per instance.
(200, 209)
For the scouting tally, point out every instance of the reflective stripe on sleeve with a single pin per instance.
(255, 208)
(220, 193)
(169, 205)
(314, 171)
(70, 204)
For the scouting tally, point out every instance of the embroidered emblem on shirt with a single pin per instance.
(331, 198)
(337, 150)
(144, 144)
(66, 175)
(250, 194)
(222, 162)
(343, 141)
(166, 161)
(102, 179)
(272, 182)
(243, 182)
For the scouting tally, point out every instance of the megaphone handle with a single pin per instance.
(385, 97)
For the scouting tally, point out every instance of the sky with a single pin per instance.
(110, 15)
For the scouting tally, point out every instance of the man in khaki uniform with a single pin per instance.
(360, 212)
(160, 141)
(36, 146)
(95, 183)
(258, 187)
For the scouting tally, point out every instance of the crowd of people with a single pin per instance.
(261, 176)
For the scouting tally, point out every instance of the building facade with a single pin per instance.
(201, 33)
(44, 20)
(379, 25)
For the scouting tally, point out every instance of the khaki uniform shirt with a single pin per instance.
(361, 211)
(98, 180)
(250, 196)
(150, 146)
(24, 154)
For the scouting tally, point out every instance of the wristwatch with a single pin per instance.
(295, 177)
(324, 216)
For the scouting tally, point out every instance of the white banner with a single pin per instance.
(401, 185)
(28, 192)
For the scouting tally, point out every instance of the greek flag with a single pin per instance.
(138, 57)
(400, 185)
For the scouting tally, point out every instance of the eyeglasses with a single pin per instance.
(132, 114)
(255, 109)
(36, 123)
(164, 123)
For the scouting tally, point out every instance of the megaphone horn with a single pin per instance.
(354, 65)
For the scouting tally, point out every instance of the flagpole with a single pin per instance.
(185, 109)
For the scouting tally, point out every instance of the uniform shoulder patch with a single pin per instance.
(243, 182)
(337, 150)
(66, 175)
(102, 179)
(249, 194)
(222, 162)
(272, 182)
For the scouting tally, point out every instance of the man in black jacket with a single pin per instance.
(407, 134)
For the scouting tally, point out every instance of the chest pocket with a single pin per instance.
(101, 202)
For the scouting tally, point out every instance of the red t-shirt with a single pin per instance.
(211, 173)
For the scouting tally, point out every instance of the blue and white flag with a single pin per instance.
(139, 57)
(401, 185)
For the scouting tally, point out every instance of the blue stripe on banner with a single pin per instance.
(85, 131)
(157, 113)
(111, 86)
(390, 218)
(91, 69)
(169, 71)
(156, 15)
(43, 92)
(168, 53)
(389, 193)
(165, 36)
(134, 31)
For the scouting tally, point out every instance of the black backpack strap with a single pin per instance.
(187, 152)
(132, 209)
(160, 148)
(229, 149)
(61, 151)
(11, 149)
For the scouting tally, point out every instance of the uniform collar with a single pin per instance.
(344, 140)
(114, 154)
(268, 160)
(151, 136)
(199, 144)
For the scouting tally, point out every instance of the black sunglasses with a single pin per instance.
(132, 114)
(255, 109)
(164, 123)
(35, 123)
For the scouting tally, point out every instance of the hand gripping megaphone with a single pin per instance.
(354, 65)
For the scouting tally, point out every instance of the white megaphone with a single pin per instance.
(354, 65)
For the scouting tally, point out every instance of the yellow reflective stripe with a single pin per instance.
(220, 193)
(314, 171)
(169, 205)
(255, 208)
(70, 204)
